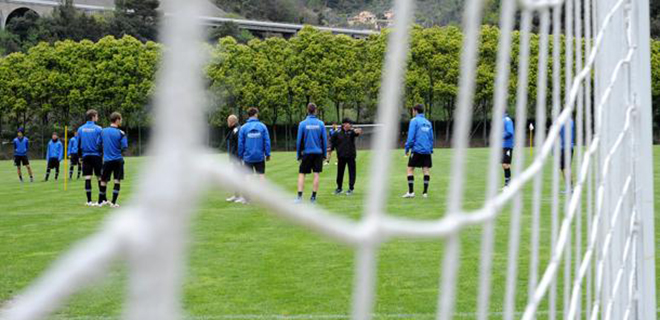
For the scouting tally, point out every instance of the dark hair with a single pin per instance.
(311, 108)
(91, 113)
(334, 123)
(115, 116)
(419, 108)
(347, 120)
(252, 112)
(21, 130)
(54, 134)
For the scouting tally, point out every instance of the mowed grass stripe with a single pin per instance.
(243, 261)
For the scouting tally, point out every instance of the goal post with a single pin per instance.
(643, 161)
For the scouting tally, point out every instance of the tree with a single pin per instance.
(137, 18)
(229, 29)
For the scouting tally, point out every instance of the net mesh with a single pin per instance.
(609, 277)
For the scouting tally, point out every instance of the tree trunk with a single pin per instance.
(140, 139)
(275, 125)
(357, 108)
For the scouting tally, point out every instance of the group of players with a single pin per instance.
(249, 146)
(96, 150)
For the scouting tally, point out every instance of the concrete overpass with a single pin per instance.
(214, 16)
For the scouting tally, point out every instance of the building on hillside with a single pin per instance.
(363, 18)
(378, 22)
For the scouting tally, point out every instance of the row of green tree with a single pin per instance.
(56, 83)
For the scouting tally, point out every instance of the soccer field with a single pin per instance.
(247, 264)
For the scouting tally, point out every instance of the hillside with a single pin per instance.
(338, 12)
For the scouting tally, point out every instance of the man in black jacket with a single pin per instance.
(232, 149)
(344, 142)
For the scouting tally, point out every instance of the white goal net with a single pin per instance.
(608, 273)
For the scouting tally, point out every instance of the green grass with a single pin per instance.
(244, 261)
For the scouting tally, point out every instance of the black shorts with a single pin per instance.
(507, 155)
(256, 167)
(113, 168)
(75, 159)
(311, 163)
(18, 160)
(418, 160)
(53, 163)
(562, 162)
(92, 165)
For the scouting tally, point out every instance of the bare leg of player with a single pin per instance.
(301, 187)
(30, 173)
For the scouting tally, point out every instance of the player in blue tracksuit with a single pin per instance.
(507, 148)
(563, 161)
(73, 155)
(21, 146)
(254, 144)
(114, 144)
(90, 144)
(420, 142)
(54, 154)
(312, 150)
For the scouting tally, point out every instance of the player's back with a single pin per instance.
(509, 133)
(421, 138)
(90, 139)
(254, 142)
(73, 145)
(114, 142)
(563, 134)
(311, 136)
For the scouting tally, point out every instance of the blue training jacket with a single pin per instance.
(312, 138)
(73, 146)
(89, 136)
(420, 136)
(21, 146)
(253, 141)
(114, 143)
(563, 135)
(55, 150)
(509, 132)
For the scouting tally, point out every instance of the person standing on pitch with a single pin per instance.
(21, 146)
(344, 142)
(333, 130)
(254, 146)
(420, 142)
(232, 148)
(507, 148)
(312, 149)
(114, 143)
(74, 156)
(90, 145)
(563, 162)
(54, 154)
